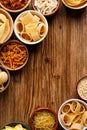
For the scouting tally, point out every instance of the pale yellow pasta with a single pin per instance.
(74, 115)
(84, 118)
(26, 36)
(76, 126)
(68, 118)
(66, 108)
(20, 27)
(6, 31)
(26, 19)
(30, 27)
(73, 2)
(41, 29)
(4, 28)
(77, 118)
(77, 107)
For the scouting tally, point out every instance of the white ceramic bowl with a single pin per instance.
(68, 101)
(75, 7)
(15, 10)
(42, 19)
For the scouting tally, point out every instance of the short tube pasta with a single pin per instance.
(74, 115)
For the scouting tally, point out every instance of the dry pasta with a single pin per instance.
(30, 27)
(74, 115)
(4, 27)
(46, 6)
(13, 55)
(44, 120)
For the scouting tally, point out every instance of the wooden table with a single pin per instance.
(53, 69)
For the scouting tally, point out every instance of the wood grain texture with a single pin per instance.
(53, 69)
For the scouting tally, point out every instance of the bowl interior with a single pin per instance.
(8, 81)
(42, 18)
(22, 50)
(8, 16)
(46, 14)
(67, 102)
(43, 109)
(16, 123)
(19, 9)
(74, 7)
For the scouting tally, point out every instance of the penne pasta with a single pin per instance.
(76, 126)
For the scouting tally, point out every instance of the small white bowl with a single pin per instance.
(68, 101)
(74, 7)
(15, 10)
(43, 19)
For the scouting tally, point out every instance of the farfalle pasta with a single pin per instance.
(74, 115)
(30, 27)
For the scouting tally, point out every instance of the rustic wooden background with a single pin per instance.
(53, 69)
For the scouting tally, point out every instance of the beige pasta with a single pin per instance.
(76, 126)
(30, 27)
(4, 28)
(74, 115)
(84, 118)
(66, 108)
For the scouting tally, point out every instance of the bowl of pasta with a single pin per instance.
(4, 79)
(16, 126)
(31, 27)
(13, 55)
(46, 7)
(6, 26)
(14, 6)
(43, 118)
(72, 114)
(75, 4)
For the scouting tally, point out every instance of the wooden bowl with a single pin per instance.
(81, 88)
(10, 26)
(15, 9)
(46, 14)
(12, 124)
(43, 109)
(6, 84)
(16, 53)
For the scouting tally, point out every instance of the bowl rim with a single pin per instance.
(42, 108)
(74, 8)
(15, 40)
(67, 101)
(8, 81)
(15, 11)
(50, 14)
(43, 19)
(18, 122)
(10, 21)
(77, 87)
